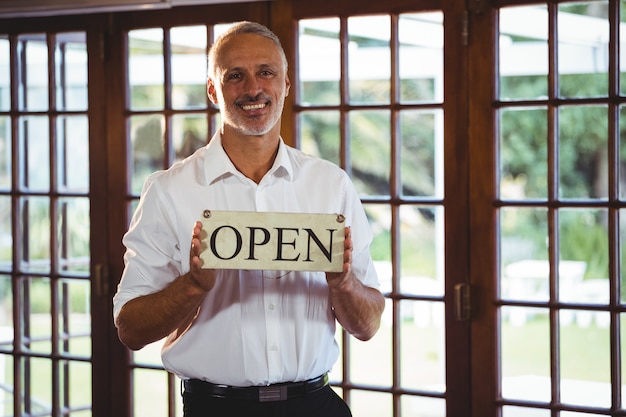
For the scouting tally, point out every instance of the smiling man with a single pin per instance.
(245, 342)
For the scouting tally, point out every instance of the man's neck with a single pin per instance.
(253, 156)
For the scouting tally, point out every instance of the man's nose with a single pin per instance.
(252, 86)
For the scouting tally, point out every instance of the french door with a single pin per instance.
(484, 140)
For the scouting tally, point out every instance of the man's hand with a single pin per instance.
(358, 308)
(202, 278)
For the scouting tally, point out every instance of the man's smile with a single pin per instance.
(253, 106)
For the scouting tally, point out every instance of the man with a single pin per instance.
(245, 343)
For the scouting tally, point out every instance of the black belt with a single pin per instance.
(274, 392)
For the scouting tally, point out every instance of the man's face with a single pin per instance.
(250, 84)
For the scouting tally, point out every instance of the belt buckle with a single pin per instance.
(273, 393)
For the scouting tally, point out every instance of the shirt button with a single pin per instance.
(274, 348)
(271, 306)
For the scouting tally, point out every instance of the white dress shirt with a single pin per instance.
(254, 327)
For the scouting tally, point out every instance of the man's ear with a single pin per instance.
(287, 86)
(210, 91)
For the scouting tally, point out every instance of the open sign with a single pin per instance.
(272, 241)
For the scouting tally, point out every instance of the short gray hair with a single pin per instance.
(241, 28)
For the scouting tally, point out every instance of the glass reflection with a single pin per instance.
(6, 234)
(583, 55)
(5, 74)
(583, 152)
(525, 352)
(74, 319)
(35, 229)
(421, 40)
(523, 154)
(74, 235)
(33, 62)
(5, 152)
(421, 245)
(422, 352)
(73, 153)
(189, 133)
(147, 148)
(421, 153)
(525, 268)
(585, 363)
(584, 255)
(34, 138)
(146, 78)
(189, 66)
(369, 42)
(371, 151)
(523, 52)
(71, 71)
(319, 55)
(319, 133)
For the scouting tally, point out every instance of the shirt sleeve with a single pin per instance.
(153, 252)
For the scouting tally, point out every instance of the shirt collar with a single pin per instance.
(217, 164)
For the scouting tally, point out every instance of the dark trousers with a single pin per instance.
(322, 403)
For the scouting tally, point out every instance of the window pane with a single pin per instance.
(35, 228)
(421, 159)
(33, 61)
(371, 404)
(36, 330)
(319, 56)
(73, 153)
(369, 42)
(189, 133)
(585, 365)
(73, 235)
(583, 55)
(583, 152)
(371, 151)
(6, 316)
(622, 47)
(523, 153)
(622, 149)
(145, 69)
(422, 250)
(35, 153)
(365, 371)
(5, 152)
(147, 153)
(189, 66)
(584, 256)
(622, 260)
(150, 393)
(71, 71)
(421, 40)
(36, 380)
(320, 134)
(525, 349)
(6, 379)
(6, 234)
(422, 350)
(524, 254)
(523, 52)
(74, 318)
(78, 377)
(149, 355)
(414, 406)
(5, 74)
(511, 411)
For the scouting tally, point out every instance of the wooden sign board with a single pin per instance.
(272, 241)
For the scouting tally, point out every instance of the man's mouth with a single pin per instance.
(249, 107)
